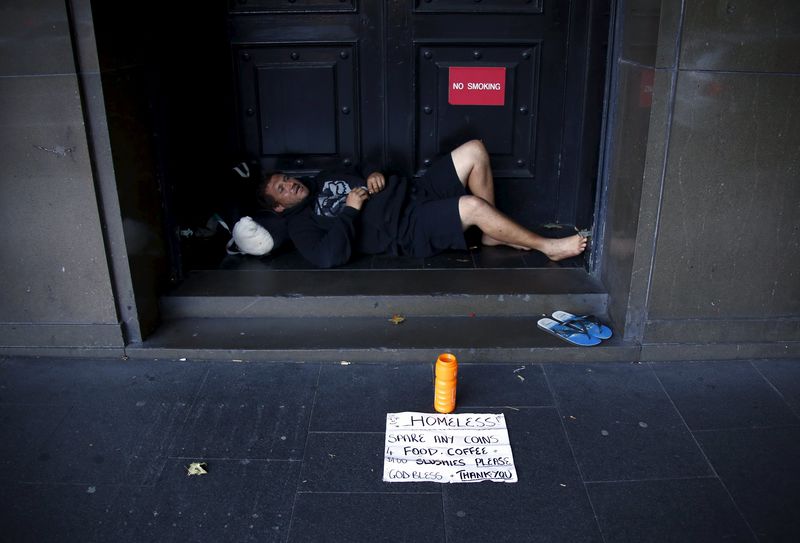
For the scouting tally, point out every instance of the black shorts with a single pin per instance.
(430, 222)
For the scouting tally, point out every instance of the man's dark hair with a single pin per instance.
(264, 199)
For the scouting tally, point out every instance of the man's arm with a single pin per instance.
(327, 249)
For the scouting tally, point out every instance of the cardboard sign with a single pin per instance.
(462, 448)
(476, 86)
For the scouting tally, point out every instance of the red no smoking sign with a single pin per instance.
(476, 86)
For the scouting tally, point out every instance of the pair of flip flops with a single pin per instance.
(584, 330)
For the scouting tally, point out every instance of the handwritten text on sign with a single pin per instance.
(462, 448)
(476, 86)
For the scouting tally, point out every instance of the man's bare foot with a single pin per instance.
(489, 241)
(559, 249)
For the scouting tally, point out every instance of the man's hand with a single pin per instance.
(375, 182)
(357, 197)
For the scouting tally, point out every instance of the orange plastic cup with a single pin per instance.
(444, 389)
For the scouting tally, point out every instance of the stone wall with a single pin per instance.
(55, 273)
(713, 262)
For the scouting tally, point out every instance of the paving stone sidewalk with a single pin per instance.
(96, 450)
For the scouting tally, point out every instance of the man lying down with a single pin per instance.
(338, 215)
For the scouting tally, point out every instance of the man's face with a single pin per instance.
(286, 191)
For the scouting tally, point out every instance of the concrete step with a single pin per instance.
(486, 315)
(369, 339)
(382, 293)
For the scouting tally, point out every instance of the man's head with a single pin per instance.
(280, 192)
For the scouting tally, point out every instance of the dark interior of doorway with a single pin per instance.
(167, 74)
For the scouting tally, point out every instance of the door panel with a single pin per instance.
(298, 104)
(506, 130)
(523, 137)
(323, 83)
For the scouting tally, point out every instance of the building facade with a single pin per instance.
(697, 200)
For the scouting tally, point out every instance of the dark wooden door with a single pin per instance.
(322, 83)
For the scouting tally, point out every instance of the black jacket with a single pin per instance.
(327, 233)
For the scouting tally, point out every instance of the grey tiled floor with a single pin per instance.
(95, 450)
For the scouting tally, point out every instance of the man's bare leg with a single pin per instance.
(475, 172)
(478, 212)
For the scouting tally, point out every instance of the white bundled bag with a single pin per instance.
(249, 237)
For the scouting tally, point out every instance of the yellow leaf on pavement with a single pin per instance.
(196, 468)
(397, 319)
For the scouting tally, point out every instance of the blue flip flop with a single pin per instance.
(568, 333)
(585, 323)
